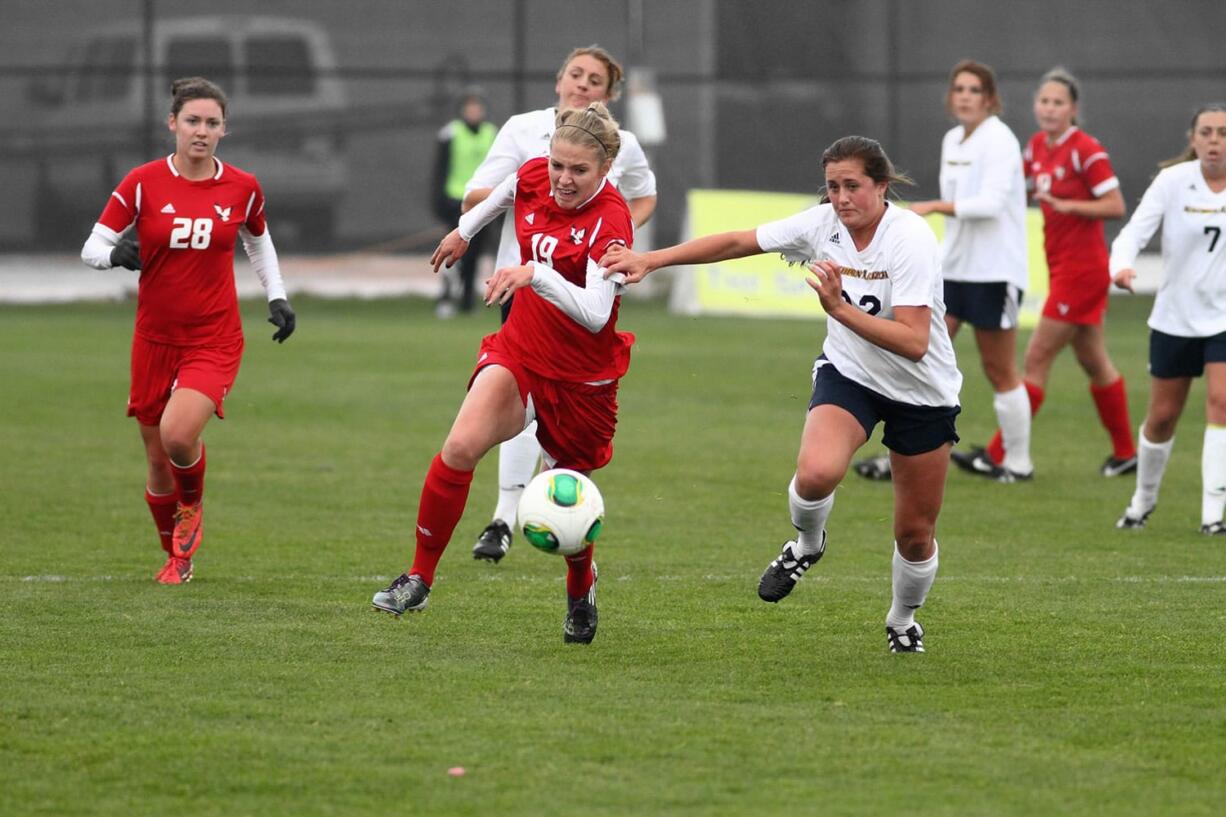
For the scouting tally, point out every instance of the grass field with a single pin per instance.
(1072, 668)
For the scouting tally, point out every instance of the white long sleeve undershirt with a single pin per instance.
(259, 248)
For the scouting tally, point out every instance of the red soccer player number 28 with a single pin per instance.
(194, 233)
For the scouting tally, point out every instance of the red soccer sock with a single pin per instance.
(579, 575)
(162, 506)
(1112, 404)
(189, 480)
(443, 497)
(996, 448)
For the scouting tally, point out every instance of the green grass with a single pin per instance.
(1072, 668)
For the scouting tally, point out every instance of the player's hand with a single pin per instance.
(498, 290)
(923, 208)
(827, 282)
(449, 250)
(1059, 205)
(126, 253)
(1124, 278)
(620, 260)
(281, 316)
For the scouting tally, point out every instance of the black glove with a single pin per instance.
(282, 317)
(126, 253)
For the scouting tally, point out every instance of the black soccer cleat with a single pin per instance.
(1131, 522)
(782, 574)
(875, 468)
(580, 624)
(1213, 529)
(493, 543)
(975, 461)
(909, 640)
(405, 594)
(1118, 466)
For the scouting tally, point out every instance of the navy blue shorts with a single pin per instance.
(1173, 356)
(909, 429)
(993, 305)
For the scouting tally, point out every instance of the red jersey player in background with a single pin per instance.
(556, 360)
(188, 210)
(1069, 173)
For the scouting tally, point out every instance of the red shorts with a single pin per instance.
(1078, 297)
(574, 421)
(160, 368)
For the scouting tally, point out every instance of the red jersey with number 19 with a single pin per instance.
(540, 335)
(187, 233)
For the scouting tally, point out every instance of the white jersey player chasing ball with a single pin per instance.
(887, 358)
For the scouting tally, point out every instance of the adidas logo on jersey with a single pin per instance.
(169, 208)
(531, 217)
(834, 238)
(225, 214)
(577, 235)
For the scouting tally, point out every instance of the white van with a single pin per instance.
(286, 108)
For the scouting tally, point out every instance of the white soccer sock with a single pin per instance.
(517, 461)
(912, 580)
(809, 518)
(1151, 465)
(1013, 415)
(1213, 475)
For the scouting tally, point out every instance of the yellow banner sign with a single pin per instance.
(764, 285)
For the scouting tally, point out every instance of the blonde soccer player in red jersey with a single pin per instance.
(188, 210)
(557, 359)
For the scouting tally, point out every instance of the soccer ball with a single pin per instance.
(561, 511)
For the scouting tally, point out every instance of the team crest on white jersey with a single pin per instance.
(577, 235)
(531, 217)
(169, 208)
(223, 213)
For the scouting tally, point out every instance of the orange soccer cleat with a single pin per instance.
(189, 530)
(175, 571)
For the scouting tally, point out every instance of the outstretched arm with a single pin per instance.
(704, 250)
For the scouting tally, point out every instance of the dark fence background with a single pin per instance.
(335, 105)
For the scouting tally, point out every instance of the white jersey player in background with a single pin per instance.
(587, 75)
(1188, 323)
(887, 358)
(983, 254)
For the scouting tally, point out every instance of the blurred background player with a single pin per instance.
(1070, 174)
(556, 360)
(587, 75)
(1188, 323)
(462, 145)
(983, 254)
(887, 358)
(189, 209)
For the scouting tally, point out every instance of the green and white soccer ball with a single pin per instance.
(561, 511)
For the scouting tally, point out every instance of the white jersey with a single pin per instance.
(985, 240)
(526, 136)
(1191, 302)
(900, 267)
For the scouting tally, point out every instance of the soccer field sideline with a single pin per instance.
(35, 279)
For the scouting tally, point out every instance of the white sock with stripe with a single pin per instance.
(1013, 415)
(1213, 475)
(517, 461)
(912, 581)
(1151, 465)
(809, 518)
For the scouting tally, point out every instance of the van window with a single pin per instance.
(279, 64)
(208, 57)
(108, 67)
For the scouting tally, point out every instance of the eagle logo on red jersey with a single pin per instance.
(577, 235)
(223, 213)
